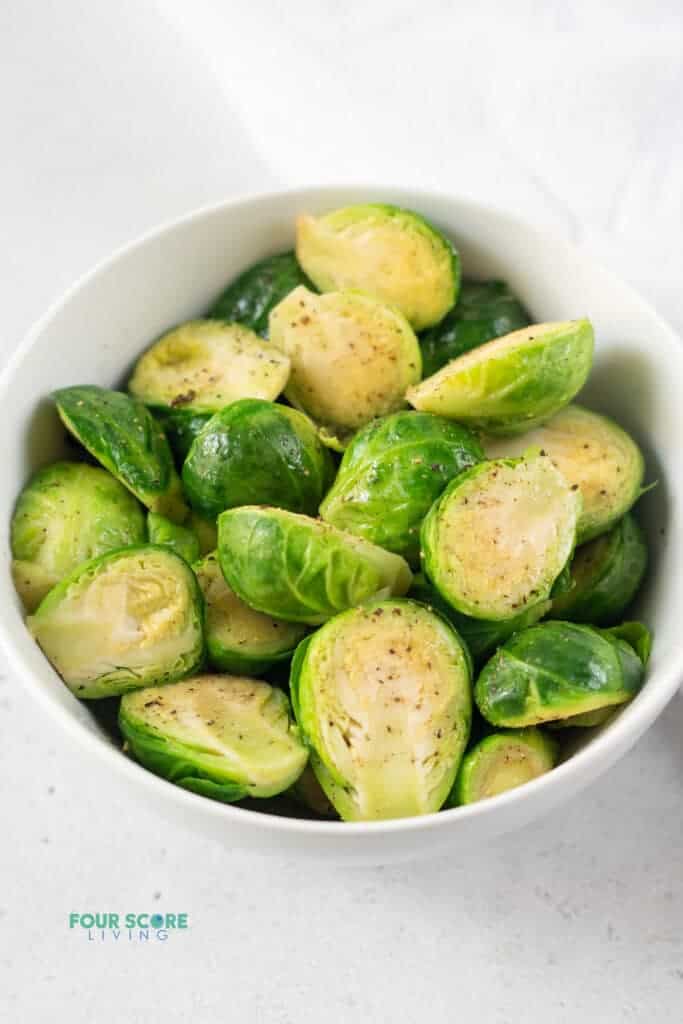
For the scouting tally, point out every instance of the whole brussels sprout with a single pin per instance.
(589, 720)
(594, 455)
(557, 670)
(382, 697)
(513, 383)
(181, 539)
(497, 539)
(503, 761)
(181, 426)
(220, 736)
(127, 619)
(255, 452)
(301, 569)
(606, 574)
(206, 531)
(250, 297)
(482, 636)
(239, 639)
(122, 435)
(390, 253)
(68, 512)
(392, 472)
(204, 365)
(352, 358)
(484, 310)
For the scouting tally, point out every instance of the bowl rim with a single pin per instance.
(600, 753)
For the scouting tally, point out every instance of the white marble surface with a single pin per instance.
(117, 116)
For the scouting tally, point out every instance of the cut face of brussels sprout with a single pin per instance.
(352, 357)
(68, 513)
(592, 453)
(502, 761)
(238, 638)
(250, 297)
(382, 697)
(181, 539)
(482, 636)
(390, 253)
(221, 736)
(513, 383)
(123, 435)
(392, 472)
(557, 670)
(255, 452)
(499, 536)
(181, 426)
(484, 310)
(606, 574)
(121, 621)
(301, 569)
(206, 364)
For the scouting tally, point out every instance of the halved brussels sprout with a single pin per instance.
(239, 639)
(512, 383)
(301, 569)
(181, 426)
(352, 357)
(68, 512)
(606, 574)
(308, 793)
(127, 619)
(391, 474)
(557, 670)
(250, 297)
(502, 761)
(204, 365)
(382, 698)
(391, 253)
(123, 435)
(484, 310)
(482, 636)
(499, 536)
(181, 539)
(593, 454)
(255, 452)
(220, 736)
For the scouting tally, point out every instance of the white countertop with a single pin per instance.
(118, 116)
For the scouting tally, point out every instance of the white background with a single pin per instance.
(117, 116)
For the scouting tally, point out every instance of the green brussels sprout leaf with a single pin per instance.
(250, 297)
(181, 539)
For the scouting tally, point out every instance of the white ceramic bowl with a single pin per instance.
(96, 331)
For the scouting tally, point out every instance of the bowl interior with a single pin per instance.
(95, 334)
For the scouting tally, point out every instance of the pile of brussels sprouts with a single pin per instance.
(344, 541)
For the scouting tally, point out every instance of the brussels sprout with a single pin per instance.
(512, 383)
(606, 574)
(484, 310)
(255, 452)
(127, 619)
(589, 720)
(206, 531)
(352, 358)
(382, 698)
(181, 539)
(181, 426)
(482, 636)
(220, 736)
(557, 670)
(68, 513)
(122, 434)
(392, 472)
(204, 365)
(301, 569)
(238, 638)
(593, 454)
(308, 792)
(502, 761)
(391, 253)
(499, 536)
(250, 297)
